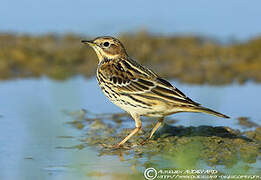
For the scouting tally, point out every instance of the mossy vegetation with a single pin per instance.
(177, 146)
(187, 58)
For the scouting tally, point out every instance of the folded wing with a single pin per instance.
(131, 79)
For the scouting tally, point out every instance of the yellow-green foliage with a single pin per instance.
(187, 58)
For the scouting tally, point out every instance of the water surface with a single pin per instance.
(34, 126)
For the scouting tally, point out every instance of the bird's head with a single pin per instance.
(107, 47)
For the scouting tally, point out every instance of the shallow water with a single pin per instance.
(34, 130)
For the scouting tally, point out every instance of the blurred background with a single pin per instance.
(220, 19)
(210, 50)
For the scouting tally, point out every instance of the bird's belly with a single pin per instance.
(126, 104)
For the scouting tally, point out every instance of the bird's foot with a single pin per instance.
(146, 140)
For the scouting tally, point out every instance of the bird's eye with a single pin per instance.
(106, 44)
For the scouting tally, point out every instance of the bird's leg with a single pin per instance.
(156, 127)
(136, 117)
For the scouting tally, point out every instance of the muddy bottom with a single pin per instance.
(176, 146)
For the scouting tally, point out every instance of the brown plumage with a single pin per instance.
(137, 89)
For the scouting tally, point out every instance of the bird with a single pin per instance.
(137, 89)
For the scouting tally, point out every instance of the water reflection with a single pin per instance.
(35, 133)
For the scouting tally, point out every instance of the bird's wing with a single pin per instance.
(130, 78)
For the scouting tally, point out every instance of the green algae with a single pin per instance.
(178, 147)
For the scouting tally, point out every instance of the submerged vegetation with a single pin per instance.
(206, 147)
(187, 58)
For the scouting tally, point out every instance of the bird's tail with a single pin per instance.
(208, 111)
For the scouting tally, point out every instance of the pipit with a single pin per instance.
(137, 89)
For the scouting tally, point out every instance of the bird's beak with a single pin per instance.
(90, 43)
